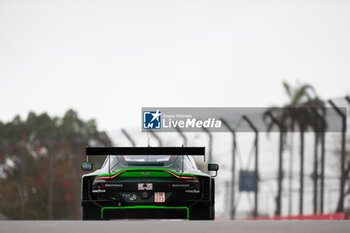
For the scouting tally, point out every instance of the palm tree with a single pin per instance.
(278, 117)
(291, 116)
(314, 106)
(301, 96)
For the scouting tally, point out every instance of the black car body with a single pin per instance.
(145, 183)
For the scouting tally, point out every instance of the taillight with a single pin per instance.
(181, 177)
(172, 173)
(109, 177)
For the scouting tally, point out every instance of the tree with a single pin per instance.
(53, 149)
(291, 116)
(315, 108)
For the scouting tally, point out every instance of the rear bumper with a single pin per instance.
(142, 212)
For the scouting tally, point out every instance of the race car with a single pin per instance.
(148, 183)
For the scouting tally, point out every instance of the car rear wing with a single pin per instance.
(176, 151)
(196, 151)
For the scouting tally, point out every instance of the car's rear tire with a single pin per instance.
(205, 211)
(200, 212)
(212, 200)
(91, 213)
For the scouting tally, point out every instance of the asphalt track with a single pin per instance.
(165, 226)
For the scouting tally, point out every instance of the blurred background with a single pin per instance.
(76, 74)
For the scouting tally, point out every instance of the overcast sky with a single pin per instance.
(107, 59)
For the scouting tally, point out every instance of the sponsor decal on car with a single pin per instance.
(180, 185)
(191, 191)
(114, 185)
(98, 191)
(130, 197)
